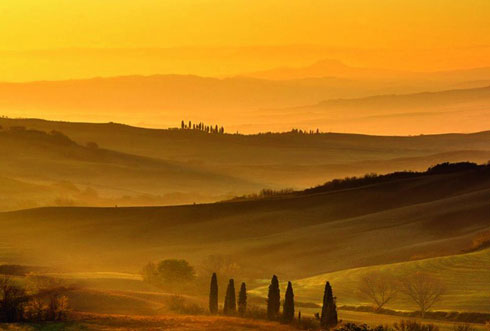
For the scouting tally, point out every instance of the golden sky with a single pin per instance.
(63, 39)
(41, 24)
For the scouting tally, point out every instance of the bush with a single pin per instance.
(256, 312)
(179, 304)
(446, 167)
(361, 327)
(41, 300)
(308, 323)
(410, 325)
(463, 327)
(12, 301)
(172, 275)
(53, 308)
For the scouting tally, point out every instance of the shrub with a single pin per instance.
(308, 323)
(180, 305)
(463, 327)
(12, 301)
(361, 327)
(53, 308)
(176, 276)
(411, 325)
(256, 312)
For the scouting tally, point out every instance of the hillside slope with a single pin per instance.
(402, 113)
(417, 217)
(466, 277)
(280, 159)
(40, 168)
(239, 103)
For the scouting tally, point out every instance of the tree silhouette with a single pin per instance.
(213, 295)
(273, 299)
(175, 271)
(242, 300)
(378, 287)
(423, 289)
(288, 309)
(230, 300)
(328, 318)
(182, 125)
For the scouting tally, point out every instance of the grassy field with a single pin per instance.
(294, 237)
(162, 322)
(400, 226)
(381, 319)
(466, 276)
(243, 162)
(108, 301)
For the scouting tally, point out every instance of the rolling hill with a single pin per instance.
(40, 168)
(420, 217)
(275, 160)
(466, 277)
(239, 102)
(400, 114)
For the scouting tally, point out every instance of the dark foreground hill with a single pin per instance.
(398, 220)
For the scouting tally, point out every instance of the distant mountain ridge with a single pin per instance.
(239, 103)
(338, 69)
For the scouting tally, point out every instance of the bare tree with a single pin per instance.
(378, 287)
(424, 290)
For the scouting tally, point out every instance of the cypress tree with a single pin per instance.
(213, 295)
(230, 300)
(329, 309)
(273, 299)
(242, 300)
(288, 309)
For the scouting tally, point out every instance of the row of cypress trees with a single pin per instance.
(328, 318)
(230, 305)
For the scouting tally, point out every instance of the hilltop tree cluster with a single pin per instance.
(202, 127)
(301, 131)
(328, 318)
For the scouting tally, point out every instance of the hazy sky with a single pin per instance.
(65, 39)
(41, 24)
